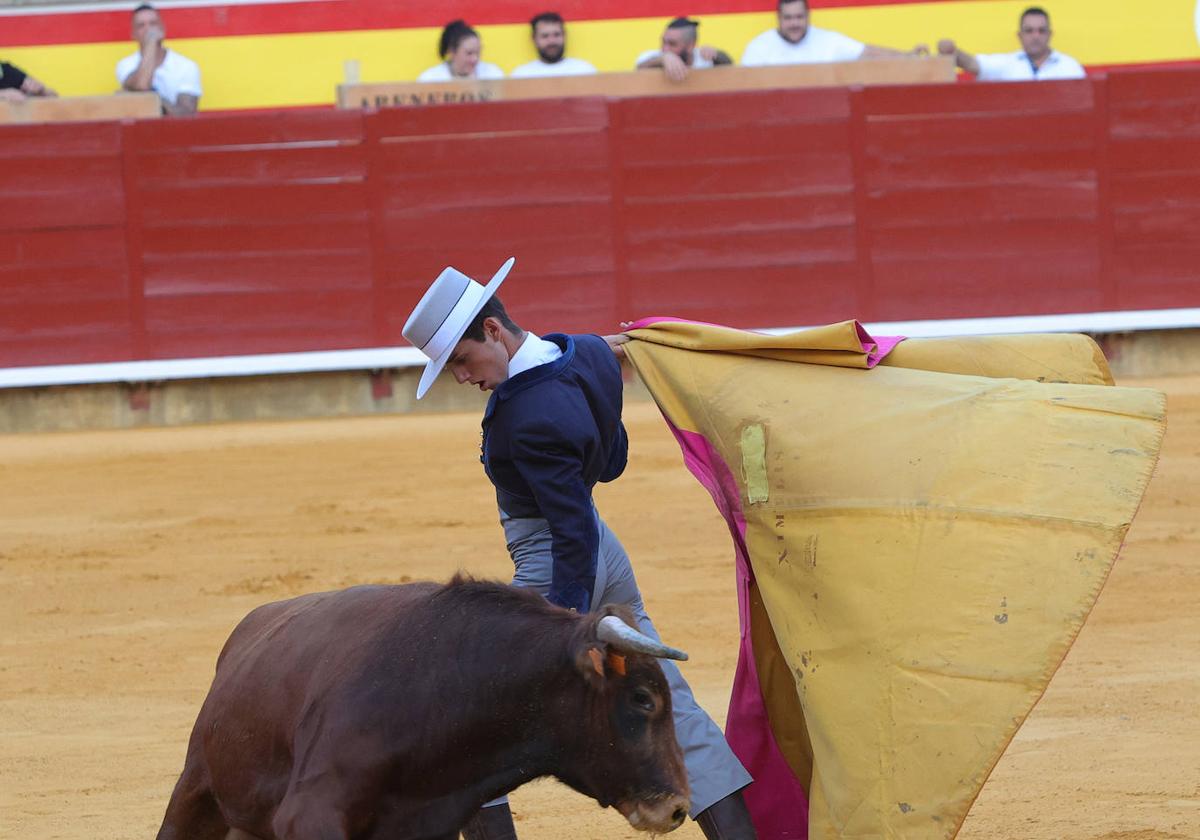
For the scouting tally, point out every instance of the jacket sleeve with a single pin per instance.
(551, 462)
(618, 456)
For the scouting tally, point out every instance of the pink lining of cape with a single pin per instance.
(777, 801)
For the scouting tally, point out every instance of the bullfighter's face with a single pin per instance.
(482, 363)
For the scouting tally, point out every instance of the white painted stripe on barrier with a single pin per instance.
(384, 358)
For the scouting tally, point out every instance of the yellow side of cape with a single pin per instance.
(927, 538)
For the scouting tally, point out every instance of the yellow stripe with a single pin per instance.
(281, 70)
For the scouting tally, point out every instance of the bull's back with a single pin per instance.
(279, 663)
(318, 622)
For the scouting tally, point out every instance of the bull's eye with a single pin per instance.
(643, 699)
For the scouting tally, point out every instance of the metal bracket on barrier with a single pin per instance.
(381, 384)
(139, 396)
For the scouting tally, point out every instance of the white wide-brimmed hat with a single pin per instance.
(438, 322)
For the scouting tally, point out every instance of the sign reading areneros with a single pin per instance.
(896, 71)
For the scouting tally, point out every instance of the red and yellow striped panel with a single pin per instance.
(271, 54)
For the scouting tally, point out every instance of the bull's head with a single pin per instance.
(633, 760)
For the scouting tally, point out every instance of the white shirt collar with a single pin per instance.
(533, 351)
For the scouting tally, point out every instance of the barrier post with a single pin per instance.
(139, 343)
(865, 279)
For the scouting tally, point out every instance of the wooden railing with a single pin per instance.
(891, 71)
(37, 109)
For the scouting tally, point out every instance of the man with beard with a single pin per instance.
(795, 42)
(679, 53)
(1035, 61)
(550, 41)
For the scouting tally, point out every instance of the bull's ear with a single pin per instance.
(597, 659)
(590, 664)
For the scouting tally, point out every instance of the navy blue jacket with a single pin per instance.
(549, 434)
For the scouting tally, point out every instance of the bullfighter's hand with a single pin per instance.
(615, 342)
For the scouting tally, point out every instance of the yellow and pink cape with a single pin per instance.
(920, 530)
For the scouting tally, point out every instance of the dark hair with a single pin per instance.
(688, 25)
(453, 34)
(145, 7)
(546, 17)
(783, 3)
(492, 309)
(1035, 10)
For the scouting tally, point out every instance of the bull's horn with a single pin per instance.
(623, 637)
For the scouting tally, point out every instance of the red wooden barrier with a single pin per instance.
(64, 284)
(316, 230)
(982, 200)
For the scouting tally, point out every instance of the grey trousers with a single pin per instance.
(713, 770)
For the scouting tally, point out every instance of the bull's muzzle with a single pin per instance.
(658, 815)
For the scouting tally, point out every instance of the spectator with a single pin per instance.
(460, 49)
(795, 42)
(15, 84)
(174, 78)
(679, 53)
(1035, 60)
(550, 41)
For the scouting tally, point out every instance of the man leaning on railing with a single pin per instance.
(16, 84)
(174, 78)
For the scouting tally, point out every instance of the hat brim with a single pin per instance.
(434, 366)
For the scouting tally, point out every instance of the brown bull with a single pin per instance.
(397, 711)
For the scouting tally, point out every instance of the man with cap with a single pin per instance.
(551, 430)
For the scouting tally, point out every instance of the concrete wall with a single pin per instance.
(184, 402)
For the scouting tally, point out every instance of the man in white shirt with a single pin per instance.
(174, 78)
(1035, 61)
(550, 40)
(795, 42)
(679, 53)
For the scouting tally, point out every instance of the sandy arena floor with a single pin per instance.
(126, 558)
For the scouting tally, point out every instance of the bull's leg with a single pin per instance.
(192, 813)
(309, 817)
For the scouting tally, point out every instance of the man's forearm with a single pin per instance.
(185, 105)
(142, 78)
(967, 62)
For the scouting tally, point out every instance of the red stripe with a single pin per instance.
(1150, 65)
(335, 16)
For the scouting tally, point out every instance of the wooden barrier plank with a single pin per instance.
(570, 114)
(119, 106)
(887, 71)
